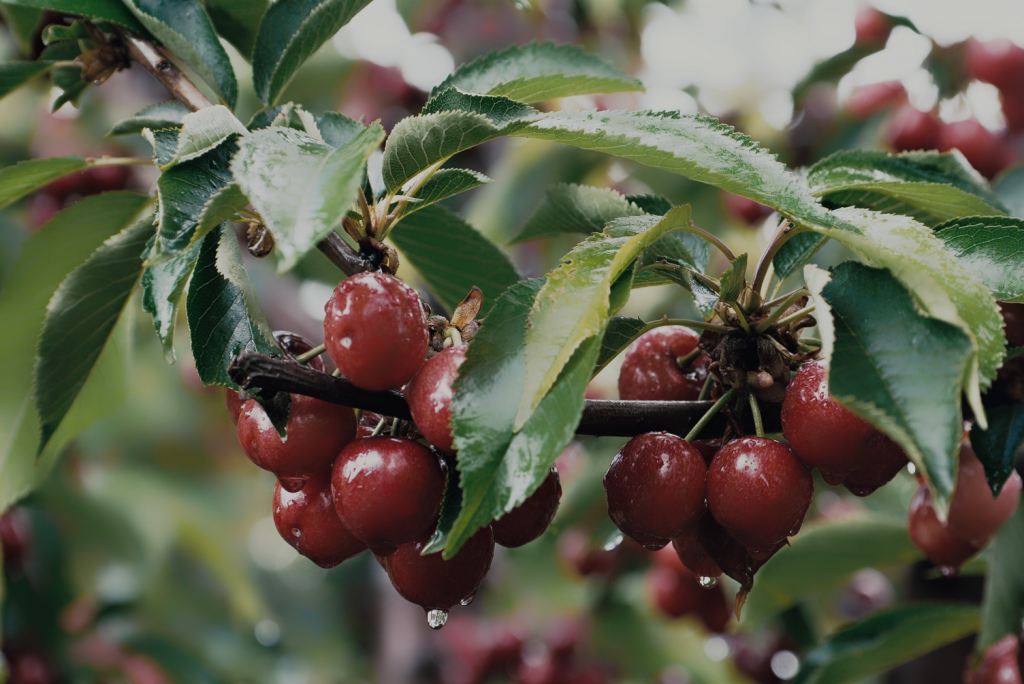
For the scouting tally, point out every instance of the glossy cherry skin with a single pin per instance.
(234, 404)
(693, 555)
(707, 448)
(884, 460)
(939, 543)
(306, 519)
(655, 488)
(650, 372)
(317, 431)
(974, 514)
(437, 584)
(999, 62)
(528, 520)
(911, 129)
(429, 394)
(986, 151)
(868, 99)
(998, 663)
(294, 344)
(872, 27)
(823, 433)
(375, 331)
(387, 491)
(759, 491)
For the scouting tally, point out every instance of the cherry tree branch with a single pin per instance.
(164, 70)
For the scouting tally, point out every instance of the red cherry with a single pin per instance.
(576, 553)
(540, 668)
(1013, 109)
(234, 404)
(387, 491)
(429, 394)
(911, 129)
(317, 431)
(293, 344)
(974, 514)
(655, 488)
(884, 461)
(15, 536)
(437, 584)
(672, 592)
(939, 543)
(306, 519)
(30, 668)
(999, 62)
(693, 555)
(1013, 319)
(872, 27)
(868, 99)
(986, 151)
(106, 178)
(375, 331)
(713, 609)
(998, 664)
(528, 520)
(744, 209)
(759, 492)
(650, 371)
(707, 448)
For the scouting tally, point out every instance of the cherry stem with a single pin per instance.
(706, 418)
(779, 310)
(380, 427)
(311, 354)
(696, 230)
(782, 235)
(741, 317)
(779, 300)
(396, 425)
(706, 389)
(696, 325)
(684, 361)
(755, 408)
(795, 316)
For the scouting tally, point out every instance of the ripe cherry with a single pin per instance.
(234, 404)
(436, 584)
(743, 209)
(1013, 109)
(306, 519)
(655, 488)
(868, 99)
(939, 543)
(707, 448)
(15, 536)
(650, 370)
(387, 491)
(911, 129)
(998, 664)
(675, 593)
(872, 27)
(578, 555)
(885, 459)
(529, 519)
(375, 331)
(293, 344)
(694, 556)
(999, 62)
(429, 394)
(759, 492)
(317, 431)
(986, 151)
(974, 513)
(826, 435)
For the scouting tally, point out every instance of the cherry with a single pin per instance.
(437, 584)
(759, 492)
(575, 552)
(713, 609)
(998, 664)
(375, 331)
(317, 431)
(306, 519)
(675, 593)
(528, 520)
(885, 459)
(429, 394)
(826, 435)
(744, 209)
(650, 371)
(1013, 319)
(693, 555)
(868, 99)
(999, 62)
(911, 129)
(293, 344)
(387, 491)
(939, 543)
(974, 513)
(234, 404)
(655, 488)
(986, 151)
(707, 448)
(15, 536)
(1013, 109)
(872, 27)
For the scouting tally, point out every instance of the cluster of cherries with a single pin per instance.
(343, 487)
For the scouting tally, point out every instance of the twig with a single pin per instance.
(341, 254)
(163, 69)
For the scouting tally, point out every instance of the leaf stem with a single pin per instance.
(782, 235)
(755, 409)
(311, 354)
(706, 418)
(795, 316)
(119, 161)
(779, 300)
(396, 424)
(739, 314)
(697, 230)
(779, 310)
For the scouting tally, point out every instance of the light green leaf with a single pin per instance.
(237, 21)
(572, 208)
(992, 248)
(107, 10)
(161, 115)
(15, 74)
(203, 131)
(651, 204)
(452, 256)
(291, 31)
(796, 252)
(1003, 605)
(732, 280)
(162, 288)
(444, 184)
(338, 130)
(539, 71)
(24, 177)
(1009, 186)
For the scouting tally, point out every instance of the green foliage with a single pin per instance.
(291, 31)
(1003, 605)
(444, 184)
(796, 252)
(203, 131)
(164, 142)
(997, 447)
(107, 10)
(618, 335)
(24, 23)
(338, 130)
(1009, 186)
(451, 506)
(732, 280)
(992, 248)
(24, 177)
(572, 208)
(538, 71)
(15, 74)
(161, 115)
(237, 21)
(162, 288)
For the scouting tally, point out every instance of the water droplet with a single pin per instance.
(949, 570)
(437, 618)
(468, 600)
(296, 532)
(708, 582)
(613, 541)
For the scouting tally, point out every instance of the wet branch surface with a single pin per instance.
(601, 418)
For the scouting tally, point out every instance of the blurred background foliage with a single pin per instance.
(150, 556)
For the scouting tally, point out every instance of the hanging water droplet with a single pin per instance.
(437, 618)
(468, 600)
(613, 541)
(707, 582)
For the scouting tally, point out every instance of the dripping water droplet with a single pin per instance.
(613, 541)
(707, 582)
(468, 600)
(437, 618)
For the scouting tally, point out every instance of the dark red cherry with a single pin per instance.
(1013, 109)
(911, 129)
(655, 488)
(998, 664)
(387, 491)
(974, 514)
(713, 609)
(987, 152)
(582, 558)
(707, 448)
(1013, 320)
(650, 370)
(759, 491)
(884, 460)
(693, 555)
(15, 536)
(317, 431)
(999, 62)
(375, 331)
(939, 543)
(429, 394)
(306, 519)
(528, 520)
(873, 27)
(743, 209)
(437, 584)
(672, 592)
(293, 344)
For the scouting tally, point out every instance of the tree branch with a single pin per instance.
(341, 254)
(163, 69)
(601, 418)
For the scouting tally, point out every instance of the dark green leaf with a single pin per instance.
(796, 252)
(80, 319)
(55, 33)
(572, 208)
(444, 184)
(15, 74)
(23, 23)
(1003, 605)
(337, 129)
(620, 334)
(277, 409)
(537, 72)
(69, 80)
(992, 248)
(161, 115)
(291, 31)
(237, 21)
(732, 280)
(1009, 186)
(651, 204)
(452, 256)
(107, 10)
(997, 447)
(265, 117)
(162, 288)
(24, 177)
(451, 506)
(203, 131)
(186, 30)
(164, 142)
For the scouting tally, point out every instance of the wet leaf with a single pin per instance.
(161, 115)
(24, 177)
(162, 288)
(991, 248)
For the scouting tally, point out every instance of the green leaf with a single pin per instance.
(796, 252)
(24, 177)
(224, 314)
(221, 207)
(161, 115)
(203, 131)
(834, 68)
(997, 447)
(16, 74)
(732, 280)
(886, 640)
(651, 204)
(452, 256)
(80, 319)
(291, 31)
(79, 230)
(619, 334)
(56, 33)
(685, 249)
(69, 80)
(893, 366)
(237, 21)
(573, 305)
(1009, 186)
(107, 10)
(301, 187)
(1003, 605)
(992, 248)
(338, 130)
(572, 208)
(184, 27)
(539, 71)
(927, 186)
(823, 557)
(164, 142)
(451, 506)
(444, 184)
(23, 23)
(162, 288)
(499, 466)
(704, 298)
